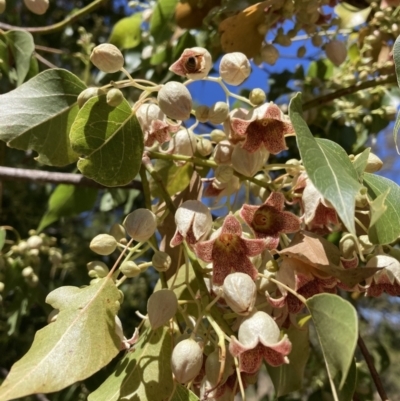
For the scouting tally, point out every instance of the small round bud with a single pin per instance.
(217, 135)
(240, 293)
(140, 224)
(218, 113)
(234, 68)
(38, 7)
(257, 97)
(204, 147)
(161, 307)
(293, 167)
(97, 268)
(161, 261)
(201, 113)
(87, 94)
(2, 6)
(223, 152)
(272, 266)
(34, 242)
(114, 97)
(390, 112)
(27, 272)
(347, 246)
(269, 54)
(186, 360)
(103, 244)
(118, 232)
(301, 52)
(130, 269)
(107, 58)
(336, 52)
(175, 100)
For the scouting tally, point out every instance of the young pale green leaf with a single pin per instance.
(328, 167)
(351, 16)
(144, 374)
(361, 162)
(111, 140)
(38, 116)
(161, 23)
(80, 342)
(67, 201)
(289, 378)
(378, 207)
(336, 324)
(387, 228)
(126, 33)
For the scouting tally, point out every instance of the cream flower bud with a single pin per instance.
(201, 113)
(140, 224)
(247, 163)
(34, 242)
(118, 232)
(269, 54)
(217, 135)
(175, 100)
(186, 360)
(161, 261)
(257, 97)
(107, 58)
(194, 63)
(336, 52)
(161, 306)
(103, 244)
(234, 68)
(38, 7)
(224, 173)
(240, 293)
(204, 147)
(223, 152)
(218, 113)
(348, 245)
(97, 268)
(183, 143)
(87, 94)
(130, 269)
(374, 163)
(2, 6)
(114, 97)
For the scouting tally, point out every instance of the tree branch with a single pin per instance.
(391, 79)
(45, 30)
(20, 174)
(372, 369)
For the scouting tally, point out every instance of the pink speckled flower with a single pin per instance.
(385, 280)
(258, 338)
(229, 251)
(269, 219)
(264, 125)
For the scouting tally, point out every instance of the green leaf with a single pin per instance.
(347, 391)
(387, 228)
(186, 41)
(162, 20)
(80, 342)
(2, 238)
(111, 140)
(288, 378)
(351, 16)
(144, 374)
(38, 116)
(336, 324)
(322, 69)
(67, 201)
(183, 394)
(360, 163)
(328, 167)
(127, 33)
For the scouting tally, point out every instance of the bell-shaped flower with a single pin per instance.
(385, 280)
(229, 251)
(193, 223)
(269, 219)
(154, 124)
(265, 125)
(194, 63)
(259, 338)
(218, 189)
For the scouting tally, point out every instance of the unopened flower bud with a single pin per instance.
(201, 113)
(2, 6)
(114, 97)
(293, 167)
(107, 58)
(140, 224)
(204, 147)
(103, 244)
(186, 360)
(118, 232)
(336, 52)
(97, 269)
(161, 307)
(224, 173)
(38, 7)
(218, 113)
(247, 163)
(183, 143)
(257, 97)
(87, 94)
(175, 100)
(27, 272)
(217, 135)
(347, 246)
(240, 293)
(161, 261)
(269, 54)
(194, 63)
(34, 242)
(374, 163)
(130, 269)
(234, 68)
(223, 152)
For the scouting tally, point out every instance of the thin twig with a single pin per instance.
(20, 174)
(45, 30)
(372, 369)
(43, 60)
(391, 79)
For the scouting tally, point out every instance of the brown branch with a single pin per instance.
(391, 79)
(45, 30)
(20, 174)
(372, 369)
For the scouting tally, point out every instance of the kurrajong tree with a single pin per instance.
(261, 213)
